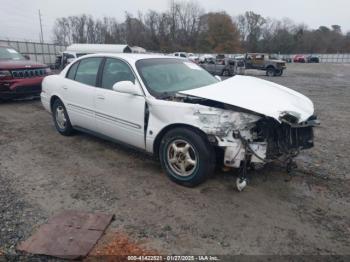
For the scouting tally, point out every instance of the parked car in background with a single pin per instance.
(220, 67)
(286, 59)
(58, 62)
(190, 56)
(262, 61)
(20, 77)
(220, 57)
(180, 54)
(174, 109)
(299, 59)
(313, 59)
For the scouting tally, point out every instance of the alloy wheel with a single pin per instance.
(182, 158)
(61, 117)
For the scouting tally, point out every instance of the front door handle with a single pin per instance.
(100, 97)
(65, 87)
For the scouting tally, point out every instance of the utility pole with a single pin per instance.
(41, 28)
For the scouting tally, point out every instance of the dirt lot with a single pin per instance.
(42, 173)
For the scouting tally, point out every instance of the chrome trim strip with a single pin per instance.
(118, 120)
(104, 116)
(81, 109)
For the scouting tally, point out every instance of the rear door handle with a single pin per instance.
(100, 97)
(65, 87)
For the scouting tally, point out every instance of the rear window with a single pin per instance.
(72, 71)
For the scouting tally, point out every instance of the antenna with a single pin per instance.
(41, 28)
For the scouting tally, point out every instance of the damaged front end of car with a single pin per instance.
(258, 121)
(248, 138)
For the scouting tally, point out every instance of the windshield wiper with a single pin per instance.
(165, 95)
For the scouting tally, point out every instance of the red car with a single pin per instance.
(299, 59)
(19, 77)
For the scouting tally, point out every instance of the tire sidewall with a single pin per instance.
(278, 72)
(68, 129)
(270, 72)
(167, 165)
(203, 153)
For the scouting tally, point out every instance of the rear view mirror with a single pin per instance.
(127, 87)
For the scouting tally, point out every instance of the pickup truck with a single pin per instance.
(265, 62)
(222, 67)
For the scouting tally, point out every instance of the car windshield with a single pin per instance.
(163, 76)
(274, 57)
(7, 53)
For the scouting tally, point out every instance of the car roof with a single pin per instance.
(131, 57)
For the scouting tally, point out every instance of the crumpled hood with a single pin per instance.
(257, 95)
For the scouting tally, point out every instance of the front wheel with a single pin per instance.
(61, 119)
(186, 157)
(270, 72)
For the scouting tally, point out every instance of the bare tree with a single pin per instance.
(186, 27)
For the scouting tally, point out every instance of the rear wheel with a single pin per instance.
(186, 157)
(225, 73)
(270, 72)
(61, 119)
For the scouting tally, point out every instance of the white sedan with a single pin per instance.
(174, 109)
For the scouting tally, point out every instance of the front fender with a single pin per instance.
(211, 121)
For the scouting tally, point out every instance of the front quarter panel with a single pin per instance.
(212, 121)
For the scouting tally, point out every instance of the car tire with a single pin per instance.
(186, 157)
(225, 73)
(278, 72)
(270, 71)
(61, 118)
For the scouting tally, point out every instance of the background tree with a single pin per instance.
(185, 26)
(219, 34)
(251, 28)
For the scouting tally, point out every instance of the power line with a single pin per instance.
(41, 28)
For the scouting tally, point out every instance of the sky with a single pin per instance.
(19, 19)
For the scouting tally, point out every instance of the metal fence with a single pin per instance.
(46, 53)
(41, 52)
(328, 58)
(324, 58)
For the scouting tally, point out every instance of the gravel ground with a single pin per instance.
(42, 173)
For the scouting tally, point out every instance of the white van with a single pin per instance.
(77, 50)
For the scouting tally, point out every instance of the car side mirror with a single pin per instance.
(218, 78)
(27, 57)
(127, 87)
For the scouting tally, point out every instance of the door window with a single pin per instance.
(87, 71)
(116, 71)
(72, 71)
